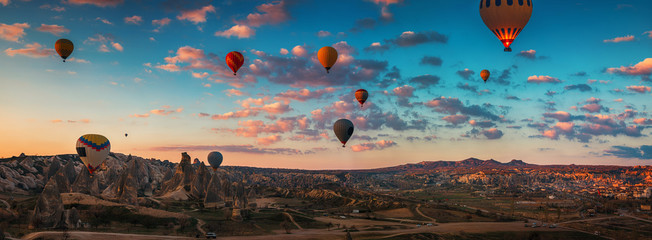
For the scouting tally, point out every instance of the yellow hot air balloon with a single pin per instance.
(93, 150)
(506, 18)
(64, 48)
(484, 74)
(327, 57)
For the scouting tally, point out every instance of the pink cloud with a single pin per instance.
(164, 111)
(117, 46)
(323, 33)
(618, 100)
(237, 114)
(559, 115)
(299, 51)
(638, 89)
(99, 3)
(648, 33)
(31, 50)
(565, 126)
(54, 29)
(269, 140)
(56, 121)
(592, 108)
(234, 92)
(276, 108)
(641, 68)
(283, 51)
(455, 119)
(200, 75)
(379, 145)
(552, 134)
(13, 32)
(404, 91)
(542, 79)
(251, 128)
(492, 133)
(160, 23)
(134, 19)
(146, 115)
(198, 15)
(303, 94)
(627, 38)
(240, 31)
(643, 121)
(271, 13)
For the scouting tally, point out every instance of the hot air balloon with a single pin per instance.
(506, 18)
(327, 57)
(343, 129)
(361, 95)
(126, 135)
(64, 48)
(484, 74)
(93, 150)
(215, 159)
(234, 60)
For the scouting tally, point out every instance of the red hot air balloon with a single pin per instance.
(234, 60)
(361, 95)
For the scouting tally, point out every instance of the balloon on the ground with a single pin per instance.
(93, 149)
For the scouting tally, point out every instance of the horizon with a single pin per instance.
(575, 89)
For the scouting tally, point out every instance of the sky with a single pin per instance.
(575, 89)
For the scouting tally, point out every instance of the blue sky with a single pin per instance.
(156, 70)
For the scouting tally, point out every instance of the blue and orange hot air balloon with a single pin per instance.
(234, 60)
(506, 18)
(93, 149)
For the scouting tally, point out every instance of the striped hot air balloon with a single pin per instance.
(506, 18)
(327, 57)
(93, 149)
(64, 48)
(234, 60)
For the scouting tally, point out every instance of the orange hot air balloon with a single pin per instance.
(234, 60)
(361, 95)
(64, 48)
(327, 57)
(484, 74)
(506, 18)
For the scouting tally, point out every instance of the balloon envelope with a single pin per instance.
(327, 57)
(361, 95)
(343, 129)
(234, 60)
(93, 150)
(506, 19)
(484, 74)
(64, 48)
(215, 159)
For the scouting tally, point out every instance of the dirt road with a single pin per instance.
(98, 236)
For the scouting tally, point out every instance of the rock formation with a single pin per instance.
(49, 208)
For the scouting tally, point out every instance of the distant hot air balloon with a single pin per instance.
(506, 18)
(234, 60)
(361, 95)
(93, 150)
(126, 135)
(484, 74)
(343, 129)
(215, 159)
(327, 57)
(64, 48)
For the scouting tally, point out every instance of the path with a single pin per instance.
(423, 215)
(201, 223)
(98, 236)
(6, 204)
(292, 219)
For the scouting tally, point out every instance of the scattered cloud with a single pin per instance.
(466, 73)
(99, 3)
(196, 16)
(580, 87)
(376, 47)
(638, 89)
(431, 60)
(410, 38)
(13, 32)
(33, 50)
(379, 145)
(323, 33)
(134, 20)
(455, 119)
(271, 13)
(54, 29)
(627, 38)
(232, 148)
(425, 81)
(542, 79)
(644, 152)
(492, 133)
(269, 140)
(530, 54)
(643, 68)
(239, 31)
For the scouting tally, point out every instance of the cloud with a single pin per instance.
(54, 29)
(271, 13)
(482, 124)
(232, 148)
(385, 15)
(31, 50)
(638, 89)
(303, 94)
(323, 33)
(79, 60)
(362, 24)
(454, 105)
(269, 140)
(644, 152)
(146, 115)
(643, 121)
(643, 68)
(627, 38)
(251, 128)
(240, 31)
(200, 75)
(431, 60)
(4, 2)
(404, 91)
(542, 79)
(648, 33)
(48, 6)
(530, 54)
(425, 81)
(271, 109)
(379, 145)
(105, 21)
(592, 108)
(134, 19)
(13, 32)
(492, 133)
(559, 115)
(455, 119)
(466, 73)
(234, 92)
(467, 87)
(409, 38)
(197, 15)
(164, 111)
(376, 47)
(117, 46)
(581, 87)
(299, 51)
(99, 3)
(160, 23)
(579, 74)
